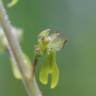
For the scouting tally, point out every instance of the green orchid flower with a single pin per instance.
(49, 44)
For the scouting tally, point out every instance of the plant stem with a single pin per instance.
(15, 50)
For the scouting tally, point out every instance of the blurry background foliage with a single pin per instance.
(77, 62)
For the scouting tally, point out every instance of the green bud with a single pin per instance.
(16, 71)
(3, 41)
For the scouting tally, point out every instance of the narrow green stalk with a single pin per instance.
(16, 51)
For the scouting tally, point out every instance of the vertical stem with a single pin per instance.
(15, 50)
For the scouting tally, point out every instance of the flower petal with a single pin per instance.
(57, 41)
(53, 68)
(54, 76)
(12, 3)
(43, 75)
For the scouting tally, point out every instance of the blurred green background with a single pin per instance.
(77, 62)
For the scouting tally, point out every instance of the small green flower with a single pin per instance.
(49, 44)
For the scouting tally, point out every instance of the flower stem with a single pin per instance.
(16, 51)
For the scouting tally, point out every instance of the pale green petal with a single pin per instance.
(43, 76)
(57, 41)
(54, 76)
(54, 71)
(45, 70)
(44, 33)
(12, 3)
(57, 45)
